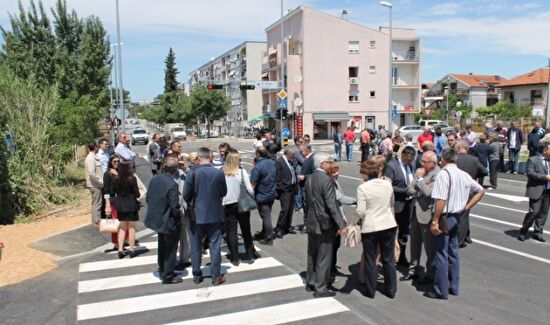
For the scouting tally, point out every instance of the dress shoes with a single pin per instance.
(278, 234)
(197, 279)
(221, 280)
(521, 237)
(408, 277)
(310, 288)
(433, 295)
(266, 241)
(172, 280)
(132, 254)
(403, 262)
(257, 255)
(236, 262)
(120, 255)
(468, 240)
(182, 266)
(539, 238)
(462, 245)
(324, 294)
(425, 280)
(291, 231)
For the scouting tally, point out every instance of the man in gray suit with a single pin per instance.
(420, 230)
(323, 219)
(164, 217)
(538, 192)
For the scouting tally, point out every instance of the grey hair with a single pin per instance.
(171, 165)
(319, 158)
(203, 153)
(449, 155)
(306, 147)
(432, 155)
(463, 144)
(289, 151)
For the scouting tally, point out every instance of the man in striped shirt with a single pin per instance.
(446, 262)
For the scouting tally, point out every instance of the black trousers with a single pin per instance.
(537, 214)
(264, 208)
(493, 172)
(335, 246)
(463, 227)
(386, 240)
(232, 217)
(286, 198)
(319, 259)
(364, 151)
(167, 252)
(403, 220)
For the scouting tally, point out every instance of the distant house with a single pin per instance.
(529, 89)
(477, 90)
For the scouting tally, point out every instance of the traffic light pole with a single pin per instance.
(282, 77)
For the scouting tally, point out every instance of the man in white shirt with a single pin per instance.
(451, 191)
(122, 149)
(94, 181)
(102, 153)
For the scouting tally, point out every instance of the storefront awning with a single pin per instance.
(331, 116)
(260, 118)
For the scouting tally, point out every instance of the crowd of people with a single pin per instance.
(412, 193)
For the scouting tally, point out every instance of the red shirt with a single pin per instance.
(349, 136)
(423, 138)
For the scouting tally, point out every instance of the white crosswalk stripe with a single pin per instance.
(105, 295)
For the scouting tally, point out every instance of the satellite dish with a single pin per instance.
(298, 102)
(298, 78)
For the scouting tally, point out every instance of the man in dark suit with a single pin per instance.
(401, 172)
(287, 182)
(476, 170)
(205, 188)
(164, 217)
(538, 192)
(306, 170)
(515, 139)
(323, 223)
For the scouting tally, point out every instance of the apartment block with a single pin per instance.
(337, 72)
(235, 68)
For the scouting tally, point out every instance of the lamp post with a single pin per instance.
(390, 102)
(119, 66)
(282, 77)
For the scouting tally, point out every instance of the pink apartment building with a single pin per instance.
(337, 71)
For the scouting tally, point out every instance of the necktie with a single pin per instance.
(292, 172)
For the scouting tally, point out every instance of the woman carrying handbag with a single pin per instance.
(110, 176)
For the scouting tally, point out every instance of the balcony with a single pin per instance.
(458, 92)
(406, 58)
(268, 66)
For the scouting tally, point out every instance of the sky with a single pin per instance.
(496, 37)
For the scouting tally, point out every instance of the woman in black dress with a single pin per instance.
(124, 193)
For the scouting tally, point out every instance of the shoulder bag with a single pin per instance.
(246, 202)
(109, 225)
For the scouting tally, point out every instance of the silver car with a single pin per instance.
(139, 136)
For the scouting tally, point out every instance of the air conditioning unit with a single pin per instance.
(353, 81)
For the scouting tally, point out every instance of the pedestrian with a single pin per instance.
(258, 142)
(223, 148)
(503, 140)
(124, 194)
(235, 177)
(264, 181)
(538, 192)
(397, 140)
(378, 226)
(493, 154)
(451, 193)
(386, 146)
(337, 139)
(400, 173)
(154, 154)
(425, 136)
(287, 184)
(515, 140)
(409, 140)
(298, 161)
(420, 229)
(164, 216)
(481, 151)
(323, 223)
(471, 136)
(103, 154)
(349, 137)
(123, 150)
(533, 138)
(184, 243)
(365, 139)
(440, 141)
(110, 209)
(452, 139)
(205, 188)
(94, 182)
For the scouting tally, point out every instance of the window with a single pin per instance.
(395, 76)
(372, 69)
(372, 44)
(353, 72)
(372, 93)
(536, 97)
(353, 47)
(354, 96)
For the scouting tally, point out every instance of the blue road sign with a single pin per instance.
(282, 103)
(394, 113)
(286, 132)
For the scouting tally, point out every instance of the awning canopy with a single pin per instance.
(259, 118)
(331, 116)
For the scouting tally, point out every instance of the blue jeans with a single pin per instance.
(446, 261)
(338, 151)
(513, 160)
(349, 150)
(213, 235)
(298, 202)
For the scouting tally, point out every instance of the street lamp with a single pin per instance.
(390, 126)
(119, 66)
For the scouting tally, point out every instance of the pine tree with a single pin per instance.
(170, 73)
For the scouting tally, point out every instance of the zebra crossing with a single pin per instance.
(128, 291)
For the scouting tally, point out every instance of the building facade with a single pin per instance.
(337, 73)
(237, 67)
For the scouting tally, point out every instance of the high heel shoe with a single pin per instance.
(120, 255)
(132, 254)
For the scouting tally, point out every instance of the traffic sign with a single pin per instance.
(394, 113)
(281, 94)
(122, 113)
(286, 132)
(282, 102)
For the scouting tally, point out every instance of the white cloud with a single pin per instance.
(527, 6)
(444, 9)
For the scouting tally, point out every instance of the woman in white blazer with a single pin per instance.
(378, 227)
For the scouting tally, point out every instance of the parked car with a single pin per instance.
(178, 133)
(139, 136)
(431, 123)
(212, 134)
(413, 130)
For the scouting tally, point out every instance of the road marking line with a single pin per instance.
(500, 207)
(148, 278)
(512, 251)
(508, 197)
(186, 297)
(500, 221)
(138, 261)
(354, 178)
(279, 314)
(511, 180)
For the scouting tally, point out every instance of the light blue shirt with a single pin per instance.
(124, 152)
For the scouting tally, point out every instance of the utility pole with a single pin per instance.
(119, 66)
(282, 72)
(548, 98)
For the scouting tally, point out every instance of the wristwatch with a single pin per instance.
(434, 223)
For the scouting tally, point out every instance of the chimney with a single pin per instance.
(344, 15)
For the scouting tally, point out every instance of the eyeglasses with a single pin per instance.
(115, 161)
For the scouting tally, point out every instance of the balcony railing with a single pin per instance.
(406, 57)
(458, 92)
(267, 66)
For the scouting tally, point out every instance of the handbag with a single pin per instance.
(353, 237)
(109, 225)
(246, 202)
(443, 218)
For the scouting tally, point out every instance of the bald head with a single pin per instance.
(429, 161)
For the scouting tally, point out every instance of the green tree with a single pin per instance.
(505, 110)
(209, 105)
(170, 73)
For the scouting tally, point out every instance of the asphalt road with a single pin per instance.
(503, 280)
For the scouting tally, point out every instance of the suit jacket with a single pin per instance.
(205, 185)
(321, 212)
(471, 165)
(284, 175)
(307, 169)
(401, 190)
(424, 188)
(375, 202)
(536, 177)
(162, 204)
(519, 137)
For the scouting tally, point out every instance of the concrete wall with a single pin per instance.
(254, 54)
